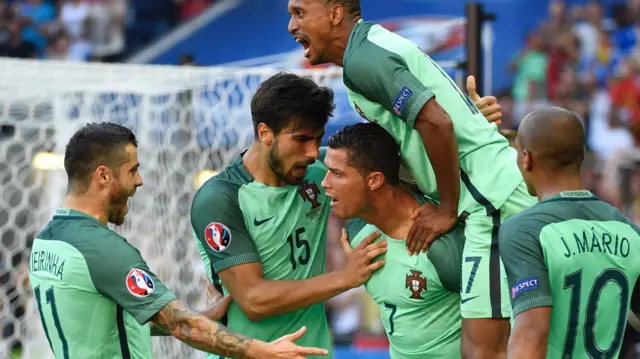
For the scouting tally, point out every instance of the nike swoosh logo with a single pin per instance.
(259, 223)
(467, 299)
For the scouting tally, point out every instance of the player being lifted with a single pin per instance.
(572, 259)
(443, 139)
(94, 291)
(261, 223)
(418, 296)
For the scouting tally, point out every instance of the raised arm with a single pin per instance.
(238, 264)
(528, 279)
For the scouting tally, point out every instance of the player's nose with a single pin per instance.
(325, 182)
(293, 26)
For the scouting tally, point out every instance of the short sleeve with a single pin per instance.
(446, 256)
(118, 271)
(357, 230)
(386, 81)
(523, 260)
(218, 223)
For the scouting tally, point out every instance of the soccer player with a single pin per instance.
(94, 291)
(571, 259)
(261, 223)
(418, 296)
(453, 154)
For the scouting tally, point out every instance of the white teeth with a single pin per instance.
(306, 52)
(299, 41)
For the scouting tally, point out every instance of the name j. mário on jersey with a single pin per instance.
(593, 242)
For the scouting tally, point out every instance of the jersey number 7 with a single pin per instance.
(51, 300)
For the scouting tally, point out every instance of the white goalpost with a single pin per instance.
(190, 122)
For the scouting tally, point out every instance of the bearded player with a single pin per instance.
(450, 150)
(572, 259)
(94, 291)
(418, 296)
(261, 223)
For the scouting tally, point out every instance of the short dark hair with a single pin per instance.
(287, 97)
(370, 149)
(351, 6)
(93, 145)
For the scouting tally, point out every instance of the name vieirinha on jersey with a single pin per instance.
(46, 261)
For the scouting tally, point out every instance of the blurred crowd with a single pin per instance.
(88, 30)
(586, 58)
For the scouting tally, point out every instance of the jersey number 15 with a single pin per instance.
(297, 241)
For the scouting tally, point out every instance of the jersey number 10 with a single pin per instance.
(51, 300)
(574, 282)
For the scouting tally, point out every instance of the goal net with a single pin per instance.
(186, 119)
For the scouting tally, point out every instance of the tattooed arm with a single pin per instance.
(215, 312)
(199, 331)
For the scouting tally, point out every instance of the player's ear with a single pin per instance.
(265, 134)
(527, 160)
(374, 180)
(336, 14)
(103, 174)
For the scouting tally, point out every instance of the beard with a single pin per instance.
(118, 208)
(277, 166)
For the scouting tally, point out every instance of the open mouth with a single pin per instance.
(305, 44)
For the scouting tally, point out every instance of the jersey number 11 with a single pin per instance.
(51, 300)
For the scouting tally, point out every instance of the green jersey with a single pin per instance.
(418, 296)
(389, 80)
(94, 291)
(577, 254)
(238, 220)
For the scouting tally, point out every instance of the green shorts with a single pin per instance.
(484, 290)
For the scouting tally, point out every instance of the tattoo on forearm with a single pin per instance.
(201, 332)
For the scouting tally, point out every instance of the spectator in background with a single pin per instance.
(35, 16)
(590, 28)
(107, 22)
(625, 98)
(191, 8)
(73, 17)
(15, 46)
(559, 21)
(530, 66)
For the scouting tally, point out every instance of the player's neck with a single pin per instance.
(256, 162)
(391, 211)
(88, 204)
(551, 185)
(340, 42)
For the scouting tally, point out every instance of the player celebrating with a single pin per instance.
(418, 296)
(261, 223)
(571, 252)
(94, 291)
(443, 141)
